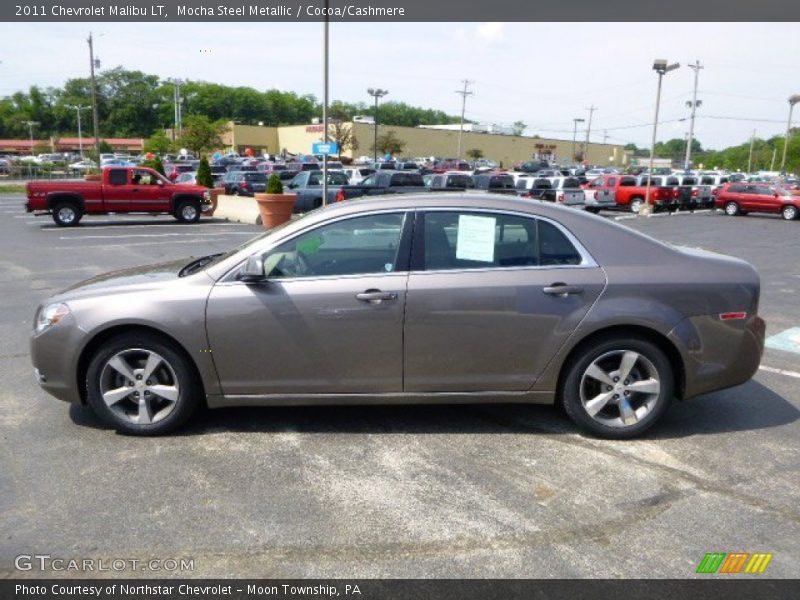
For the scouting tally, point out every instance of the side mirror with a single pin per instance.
(253, 270)
(160, 182)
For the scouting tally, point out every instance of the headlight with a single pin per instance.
(50, 315)
(207, 195)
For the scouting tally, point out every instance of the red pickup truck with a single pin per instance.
(119, 190)
(626, 194)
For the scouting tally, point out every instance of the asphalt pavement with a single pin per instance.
(397, 491)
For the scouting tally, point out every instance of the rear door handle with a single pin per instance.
(562, 290)
(375, 296)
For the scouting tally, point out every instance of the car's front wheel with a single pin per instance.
(141, 385)
(636, 205)
(789, 212)
(617, 387)
(187, 211)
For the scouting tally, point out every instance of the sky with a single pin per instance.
(544, 74)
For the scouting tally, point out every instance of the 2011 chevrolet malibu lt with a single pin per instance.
(412, 299)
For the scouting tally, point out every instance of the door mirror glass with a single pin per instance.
(253, 269)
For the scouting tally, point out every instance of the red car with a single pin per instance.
(628, 194)
(740, 198)
(119, 190)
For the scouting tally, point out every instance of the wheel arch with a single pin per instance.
(103, 336)
(651, 335)
(178, 198)
(57, 197)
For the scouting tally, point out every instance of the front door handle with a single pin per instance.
(562, 290)
(375, 296)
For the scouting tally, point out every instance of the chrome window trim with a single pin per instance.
(587, 260)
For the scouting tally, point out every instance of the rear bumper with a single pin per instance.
(718, 354)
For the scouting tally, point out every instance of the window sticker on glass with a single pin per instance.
(475, 238)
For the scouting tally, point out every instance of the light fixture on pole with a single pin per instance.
(31, 125)
(661, 67)
(376, 93)
(78, 109)
(792, 101)
(575, 137)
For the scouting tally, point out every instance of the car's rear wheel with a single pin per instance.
(789, 212)
(67, 214)
(636, 205)
(593, 209)
(732, 209)
(141, 385)
(617, 387)
(187, 211)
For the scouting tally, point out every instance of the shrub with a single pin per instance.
(274, 185)
(204, 177)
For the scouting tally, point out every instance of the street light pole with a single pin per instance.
(31, 125)
(661, 67)
(750, 156)
(792, 101)
(78, 109)
(694, 104)
(591, 110)
(95, 120)
(376, 93)
(575, 138)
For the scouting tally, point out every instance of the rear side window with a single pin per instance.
(117, 176)
(736, 189)
(627, 182)
(571, 182)
(555, 248)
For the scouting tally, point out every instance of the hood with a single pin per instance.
(137, 276)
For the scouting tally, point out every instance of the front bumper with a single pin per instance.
(54, 354)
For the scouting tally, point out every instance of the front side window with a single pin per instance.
(462, 240)
(117, 176)
(360, 245)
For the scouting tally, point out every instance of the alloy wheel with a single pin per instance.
(619, 388)
(67, 215)
(188, 212)
(139, 386)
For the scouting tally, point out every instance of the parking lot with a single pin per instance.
(398, 491)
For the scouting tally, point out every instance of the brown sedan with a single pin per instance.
(410, 299)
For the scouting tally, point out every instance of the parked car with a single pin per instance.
(308, 187)
(120, 190)
(497, 300)
(496, 183)
(532, 186)
(532, 166)
(564, 190)
(241, 168)
(453, 181)
(405, 165)
(302, 166)
(82, 166)
(700, 195)
(356, 175)
(451, 164)
(187, 177)
(681, 196)
(740, 198)
(597, 197)
(269, 167)
(246, 183)
(628, 195)
(384, 182)
(173, 170)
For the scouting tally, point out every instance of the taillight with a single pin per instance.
(695, 192)
(733, 316)
(243, 185)
(676, 193)
(340, 196)
(561, 197)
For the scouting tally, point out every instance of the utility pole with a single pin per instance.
(792, 101)
(92, 64)
(605, 136)
(772, 162)
(31, 125)
(575, 137)
(750, 156)
(591, 110)
(694, 104)
(463, 93)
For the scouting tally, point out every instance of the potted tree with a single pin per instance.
(205, 178)
(275, 206)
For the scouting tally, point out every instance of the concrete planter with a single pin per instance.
(214, 194)
(275, 209)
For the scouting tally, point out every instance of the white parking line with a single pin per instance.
(132, 244)
(794, 374)
(153, 235)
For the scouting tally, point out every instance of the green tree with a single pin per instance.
(204, 174)
(159, 143)
(389, 143)
(518, 127)
(475, 153)
(201, 134)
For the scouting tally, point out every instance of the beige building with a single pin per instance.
(505, 149)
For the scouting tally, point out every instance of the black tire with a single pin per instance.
(593, 209)
(189, 390)
(789, 212)
(655, 404)
(636, 204)
(67, 214)
(732, 209)
(187, 211)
